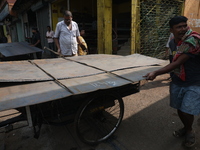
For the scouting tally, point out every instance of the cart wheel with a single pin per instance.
(98, 118)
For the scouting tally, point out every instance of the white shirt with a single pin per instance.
(50, 34)
(167, 45)
(171, 36)
(67, 38)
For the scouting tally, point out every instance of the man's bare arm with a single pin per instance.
(181, 60)
(56, 40)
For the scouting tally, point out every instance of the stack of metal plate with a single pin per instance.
(37, 81)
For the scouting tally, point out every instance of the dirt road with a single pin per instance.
(148, 124)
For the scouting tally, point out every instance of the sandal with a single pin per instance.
(179, 133)
(190, 139)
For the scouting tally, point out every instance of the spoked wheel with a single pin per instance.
(99, 117)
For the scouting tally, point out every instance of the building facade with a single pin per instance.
(112, 26)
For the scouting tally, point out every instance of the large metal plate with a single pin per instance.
(113, 62)
(18, 71)
(30, 94)
(73, 67)
(78, 77)
(63, 69)
(136, 74)
(40, 92)
(17, 48)
(94, 83)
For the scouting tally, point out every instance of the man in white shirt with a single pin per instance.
(49, 36)
(66, 36)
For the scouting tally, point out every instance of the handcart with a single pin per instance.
(86, 90)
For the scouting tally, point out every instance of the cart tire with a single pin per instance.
(99, 117)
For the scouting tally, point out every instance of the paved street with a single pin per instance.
(148, 124)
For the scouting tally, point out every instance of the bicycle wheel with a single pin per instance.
(99, 117)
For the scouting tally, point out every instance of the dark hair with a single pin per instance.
(67, 13)
(176, 20)
(48, 27)
(81, 29)
(34, 28)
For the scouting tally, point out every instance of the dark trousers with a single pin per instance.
(39, 55)
(52, 47)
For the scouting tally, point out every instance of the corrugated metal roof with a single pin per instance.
(71, 76)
